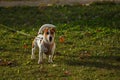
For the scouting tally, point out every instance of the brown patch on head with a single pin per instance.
(48, 33)
(45, 32)
(52, 31)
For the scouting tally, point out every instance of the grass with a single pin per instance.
(91, 50)
(18, 0)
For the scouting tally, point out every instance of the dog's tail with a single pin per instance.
(45, 26)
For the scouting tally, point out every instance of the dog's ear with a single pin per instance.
(53, 29)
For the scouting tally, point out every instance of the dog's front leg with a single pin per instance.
(40, 60)
(40, 57)
(50, 60)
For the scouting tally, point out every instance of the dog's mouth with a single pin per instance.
(50, 38)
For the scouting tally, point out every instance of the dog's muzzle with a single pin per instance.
(50, 38)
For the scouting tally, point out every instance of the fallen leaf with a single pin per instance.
(25, 46)
(85, 54)
(6, 63)
(61, 39)
(66, 72)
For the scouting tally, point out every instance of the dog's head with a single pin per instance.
(49, 35)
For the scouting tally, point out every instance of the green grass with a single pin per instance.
(18, 0)
(91, 50)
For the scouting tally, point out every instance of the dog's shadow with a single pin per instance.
(108, 62)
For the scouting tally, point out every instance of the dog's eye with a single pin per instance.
(47, 33)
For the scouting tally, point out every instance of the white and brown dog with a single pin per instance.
(45, 42)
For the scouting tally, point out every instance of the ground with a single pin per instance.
(91, 50)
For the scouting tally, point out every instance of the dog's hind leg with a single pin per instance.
(33, 53)
(33, 50)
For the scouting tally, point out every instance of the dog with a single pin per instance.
(45, 43)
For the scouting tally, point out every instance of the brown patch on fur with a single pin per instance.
(45, 32)
(53, 29)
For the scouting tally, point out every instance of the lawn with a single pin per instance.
(18, 0)
(91, 50)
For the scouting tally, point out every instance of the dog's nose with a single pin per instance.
(50, 38)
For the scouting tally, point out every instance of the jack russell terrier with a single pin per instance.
(45, 42)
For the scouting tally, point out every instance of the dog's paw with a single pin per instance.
(50, 61)
(32, 57)
(40, 62)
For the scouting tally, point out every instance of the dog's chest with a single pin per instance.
(49, 48)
